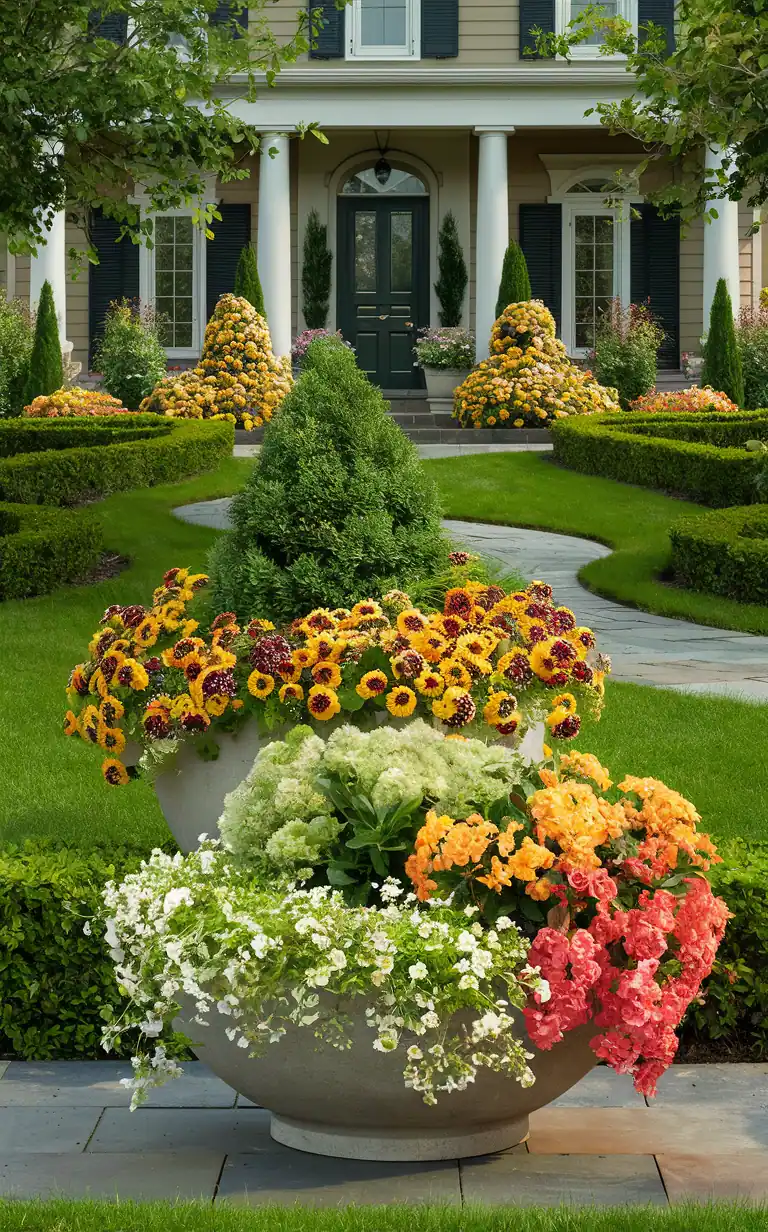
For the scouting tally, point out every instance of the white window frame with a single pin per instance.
(410, 50)
(147, 284)
(586, 51)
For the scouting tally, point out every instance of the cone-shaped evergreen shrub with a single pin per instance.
(247, 281)
(316, 272)
(339, 507)
(722, 362)
(515, 285)
(452, 282)
(46, 372)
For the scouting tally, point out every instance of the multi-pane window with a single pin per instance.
(383, 29)
(610, 8)
(593, 275)
(567, 11)
(174, 260)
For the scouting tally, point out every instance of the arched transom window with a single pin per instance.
(383, 179)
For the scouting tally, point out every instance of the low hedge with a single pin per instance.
(54, 977)
(42, 548)
(724, 553)
(698, 456)
(104, 460)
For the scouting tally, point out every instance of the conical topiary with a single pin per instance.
(515, 285)
(339, 507)
(247, 281)
(721, 369)
(316, 273)
(46, 371)
(451, 285)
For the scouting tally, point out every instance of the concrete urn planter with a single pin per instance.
(353, 1104)
(441, 382)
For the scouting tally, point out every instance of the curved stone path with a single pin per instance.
(644, 648)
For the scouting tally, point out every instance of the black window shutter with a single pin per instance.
(655, 275)
(439, 29)
(539, 13)
(661, 13)
(329, 41)
(222, 253)
(112, 26)
(115, 277)
(541, 239)
(222, 15)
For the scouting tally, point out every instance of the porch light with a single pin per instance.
(382, 171)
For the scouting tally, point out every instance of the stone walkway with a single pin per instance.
(65, 1129)
(644, 648)
(430, 451)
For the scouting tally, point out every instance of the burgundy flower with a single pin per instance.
(219, 683)
(567, 729)
(271, 655)
(153, 665)
(582, 672)
(132, 615)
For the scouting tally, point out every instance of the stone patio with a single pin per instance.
(66, 1130)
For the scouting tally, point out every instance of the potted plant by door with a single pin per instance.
(447, 356)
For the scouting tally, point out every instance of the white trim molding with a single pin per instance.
(409, 49)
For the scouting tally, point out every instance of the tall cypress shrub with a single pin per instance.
(451, 284)
(46, 372)
(515, 285)
(247, 281)
(339, 507)
(722, 362)
(316, 272)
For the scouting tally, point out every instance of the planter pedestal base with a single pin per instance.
(397, 1146)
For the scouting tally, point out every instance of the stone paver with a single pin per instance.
(46, 1129)
(234, 1131)
(551, 1180)
(601, 1088)
(644, 648)
(315, 1180)
(714, 1178)
(96, 1084)
(429, 451)
(684, 1128)
(188, 1174)
(724, 1085)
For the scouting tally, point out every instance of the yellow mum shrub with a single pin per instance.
(65, 403)
(528, 379)
(238, 378)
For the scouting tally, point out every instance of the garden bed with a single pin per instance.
(701, 457)
(724, 553)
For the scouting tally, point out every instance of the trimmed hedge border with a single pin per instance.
(698, 456)
(85, 459)
(724, 553)
(42, 548)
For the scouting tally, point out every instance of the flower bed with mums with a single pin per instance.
(701, 456)
(238, 378)
(528, 380)
(74, 403)
(676, 401)
(487, 663)
(724, 553)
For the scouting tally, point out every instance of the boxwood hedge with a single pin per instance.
(724, 552)
(42, 548)
(698, 456)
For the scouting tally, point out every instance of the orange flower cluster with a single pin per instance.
(73, 401)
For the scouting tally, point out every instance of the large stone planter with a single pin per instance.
(441, 382)
(353, 1104)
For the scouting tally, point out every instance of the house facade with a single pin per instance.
(428, 106)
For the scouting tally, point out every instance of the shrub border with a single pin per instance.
(712, 553)
(710, 474)
(65, 476)
(48, 548)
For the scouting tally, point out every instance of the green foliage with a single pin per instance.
(735, 1006)
(316, 272)
(131, 357)
(45, 373)
(722, 361)
(42, 548)
(515, 285)
(247, 281)
(626, 346)
(87, 458)
(451, 285)
(16, 338)
(724, 553)
(698, 456)
(752, 341)
(339, 507)
(163, 140)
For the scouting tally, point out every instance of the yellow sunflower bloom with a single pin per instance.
(430, 683)
(373, 684)
(260, 684)
(71, 726)
(291, 692)
(401, 701)
(325, 671)
(455, 673)
(114, 772)
(322, 702)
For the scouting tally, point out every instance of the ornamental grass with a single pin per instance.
(528, 380)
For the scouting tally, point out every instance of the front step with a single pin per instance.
(670, 380)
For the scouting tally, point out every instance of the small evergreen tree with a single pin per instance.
(247, 281)
(451, 285)
(46, 371)
(316, 272)
(339, 507)
(515, 285)
(722, 362)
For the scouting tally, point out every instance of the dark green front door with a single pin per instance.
(383, 285)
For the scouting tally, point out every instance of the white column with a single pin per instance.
(492, 229)
(721, 245)
(274, 238)
(50, 265)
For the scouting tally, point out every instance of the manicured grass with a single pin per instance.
(62, 1216)
(51, 786)
(527, 489)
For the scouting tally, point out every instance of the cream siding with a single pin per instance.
(77, 299)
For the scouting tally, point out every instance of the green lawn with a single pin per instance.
(63, 1216)
(527, 489)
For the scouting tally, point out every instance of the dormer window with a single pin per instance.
(383, 30)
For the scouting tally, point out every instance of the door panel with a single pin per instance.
(383, 285)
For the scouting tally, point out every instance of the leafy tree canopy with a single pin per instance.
(84, 117)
